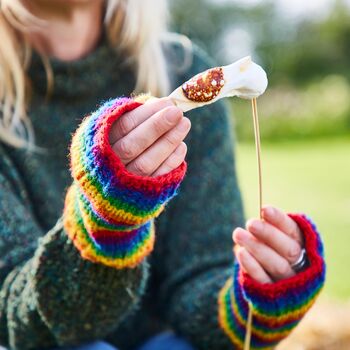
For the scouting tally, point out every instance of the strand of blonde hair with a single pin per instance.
(129, 29)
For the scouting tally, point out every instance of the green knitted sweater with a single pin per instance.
(52, 296)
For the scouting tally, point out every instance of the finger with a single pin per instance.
(274, 264)
(284, 245)
(132, 119)
(143, 136)
(282, 221)
(251, 266)
(154, 156)
(173, 161)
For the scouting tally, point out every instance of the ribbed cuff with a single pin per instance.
(108, 210)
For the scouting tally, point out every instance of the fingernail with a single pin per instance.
(184, 125)
(241, 236)
(256, 225)
(172, 115)
(268, 211)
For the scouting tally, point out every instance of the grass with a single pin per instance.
(311, 177)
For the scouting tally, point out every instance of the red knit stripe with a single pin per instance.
(276, 289)
(132, 181)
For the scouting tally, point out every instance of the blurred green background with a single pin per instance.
(304, 114)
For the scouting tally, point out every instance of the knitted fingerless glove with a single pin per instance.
(277, 307)
(109, 211)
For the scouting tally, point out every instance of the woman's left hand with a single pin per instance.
(267, 248)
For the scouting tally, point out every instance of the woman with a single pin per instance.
(79, 259)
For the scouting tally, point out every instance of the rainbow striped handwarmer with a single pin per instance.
(109, 211)
(277, 307)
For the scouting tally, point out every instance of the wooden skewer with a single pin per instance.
(258, 151)
(248, 332)
(258, 157)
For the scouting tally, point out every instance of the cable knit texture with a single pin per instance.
(277, 307)
(109, 211)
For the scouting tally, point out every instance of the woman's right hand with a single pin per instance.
(149, 139)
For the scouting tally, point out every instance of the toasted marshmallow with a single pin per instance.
(243, 78)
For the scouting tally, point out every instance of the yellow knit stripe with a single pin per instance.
(98, 201)
(285, 318)
(223, 317)
(86, 250)
(268, 337)
(298, 313)
(142, 98)
(92, 226)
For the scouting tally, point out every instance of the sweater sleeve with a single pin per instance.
(277, 307)
(81, 279)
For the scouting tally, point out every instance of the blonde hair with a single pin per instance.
(128, 27)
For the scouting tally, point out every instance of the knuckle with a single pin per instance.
(124, 149)
(142, 167)
(159, 125)
(163, 103)
(293, 252)
(297, 233)
(263, 229)
(258, 227)
(174, 113)
(164, 169)
(179, 112)
(167, 102)
(254, 248)
(171, 139)
(126, 124)
(282, 268)
(173, 109)
(173, 161)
